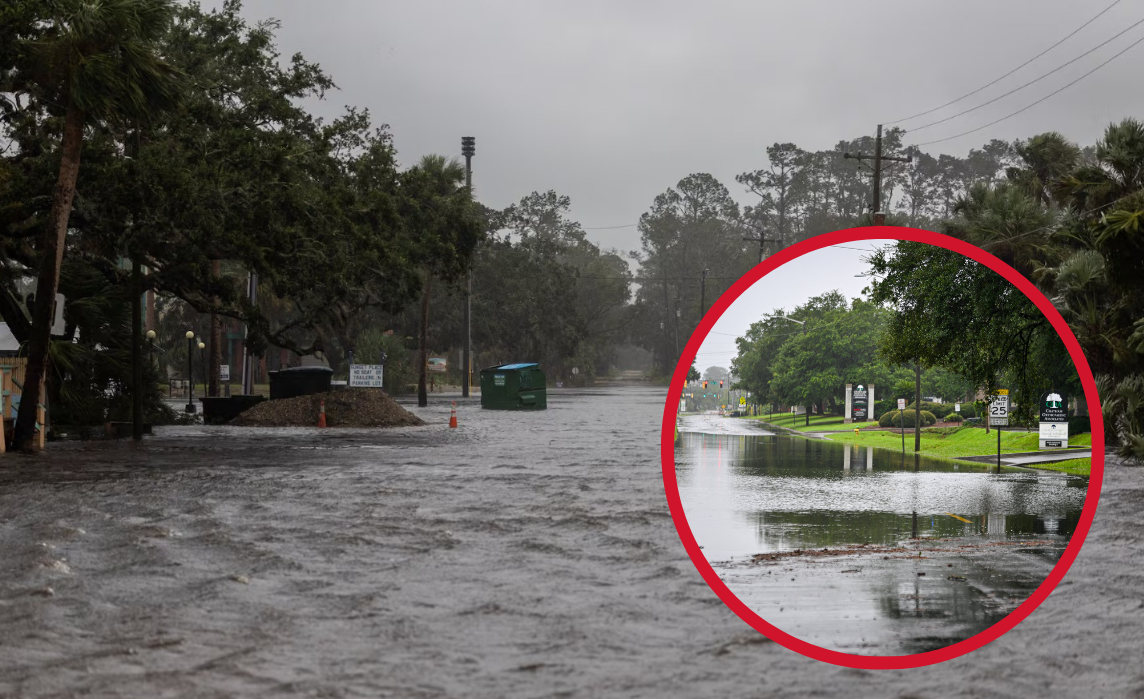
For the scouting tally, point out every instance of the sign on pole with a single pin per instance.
(901, 404)
(1054, 423)
(999, 409)
(957, 407)
(224, 372)
(437, 364)
(366, 375)
(860, 412)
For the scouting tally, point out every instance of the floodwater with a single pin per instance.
(880, 553)
(521, 555)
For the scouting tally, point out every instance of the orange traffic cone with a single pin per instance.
(322, 414)
(453, 416)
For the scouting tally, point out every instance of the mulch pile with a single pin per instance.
(347, 407)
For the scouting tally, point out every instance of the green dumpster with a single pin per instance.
(513, 387)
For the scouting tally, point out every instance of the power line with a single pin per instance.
(1035, 80)
(1042, 53)
(610, 228)
(1029, 106)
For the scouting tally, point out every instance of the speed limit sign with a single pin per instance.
(999, 409)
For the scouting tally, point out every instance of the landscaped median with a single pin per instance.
(953, 442)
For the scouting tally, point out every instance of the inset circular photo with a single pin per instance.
(882, 448)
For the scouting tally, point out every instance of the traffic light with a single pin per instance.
(720, 383)
(704, 385)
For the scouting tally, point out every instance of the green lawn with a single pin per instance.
(952, 442)
(1078, 467)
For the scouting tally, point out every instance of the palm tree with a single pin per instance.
(1004, 220)
(1048, 158)
(436, 180)
(97, 62)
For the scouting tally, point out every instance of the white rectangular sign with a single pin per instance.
(957, 407)
(224, 372)
(366, 375)
(999, 411)
(901, 404)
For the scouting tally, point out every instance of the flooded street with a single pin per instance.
(868, 551)
(521, 555)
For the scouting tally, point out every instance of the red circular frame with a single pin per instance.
(667, 450)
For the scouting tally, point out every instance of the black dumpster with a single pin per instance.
(300, 381)
(219, 411)
(514, 387)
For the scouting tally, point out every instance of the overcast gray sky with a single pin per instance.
(613, 102)
(819, 272)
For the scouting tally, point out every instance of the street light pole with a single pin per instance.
(203, 365)
(468, 149)
(136, 346)
(190, 372)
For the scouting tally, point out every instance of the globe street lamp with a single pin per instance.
(203, 364)
(190, 372)
(151, 347)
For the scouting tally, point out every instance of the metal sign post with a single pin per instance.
(902, 422)
(999, 417)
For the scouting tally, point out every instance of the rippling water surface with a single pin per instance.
(521, 555)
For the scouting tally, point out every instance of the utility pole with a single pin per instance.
(136, 332)
(247, 355)
(468, 149)
(763, 240)
(703, 295)
(877, 157)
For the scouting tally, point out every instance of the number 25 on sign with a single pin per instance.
(999, 408)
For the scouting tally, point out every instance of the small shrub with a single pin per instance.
(887, 419)
(953, 417)
(910, 416)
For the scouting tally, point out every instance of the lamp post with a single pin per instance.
(203, 364)
(151, 348)
(468, 149)
(190, 372)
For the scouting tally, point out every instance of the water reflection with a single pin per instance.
(798, 493)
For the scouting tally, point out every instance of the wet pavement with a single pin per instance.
(522, 555)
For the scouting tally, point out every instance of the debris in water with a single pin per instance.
(346, 407)
(240, 579)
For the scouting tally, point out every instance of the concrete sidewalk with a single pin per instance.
(1031, 457)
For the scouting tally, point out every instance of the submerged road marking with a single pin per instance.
(961, 518)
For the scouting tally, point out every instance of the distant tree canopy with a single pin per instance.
(779, 362)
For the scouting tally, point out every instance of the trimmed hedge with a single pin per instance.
(909, 417)
(953, 417)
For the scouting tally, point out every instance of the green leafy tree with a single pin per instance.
(96, 62)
